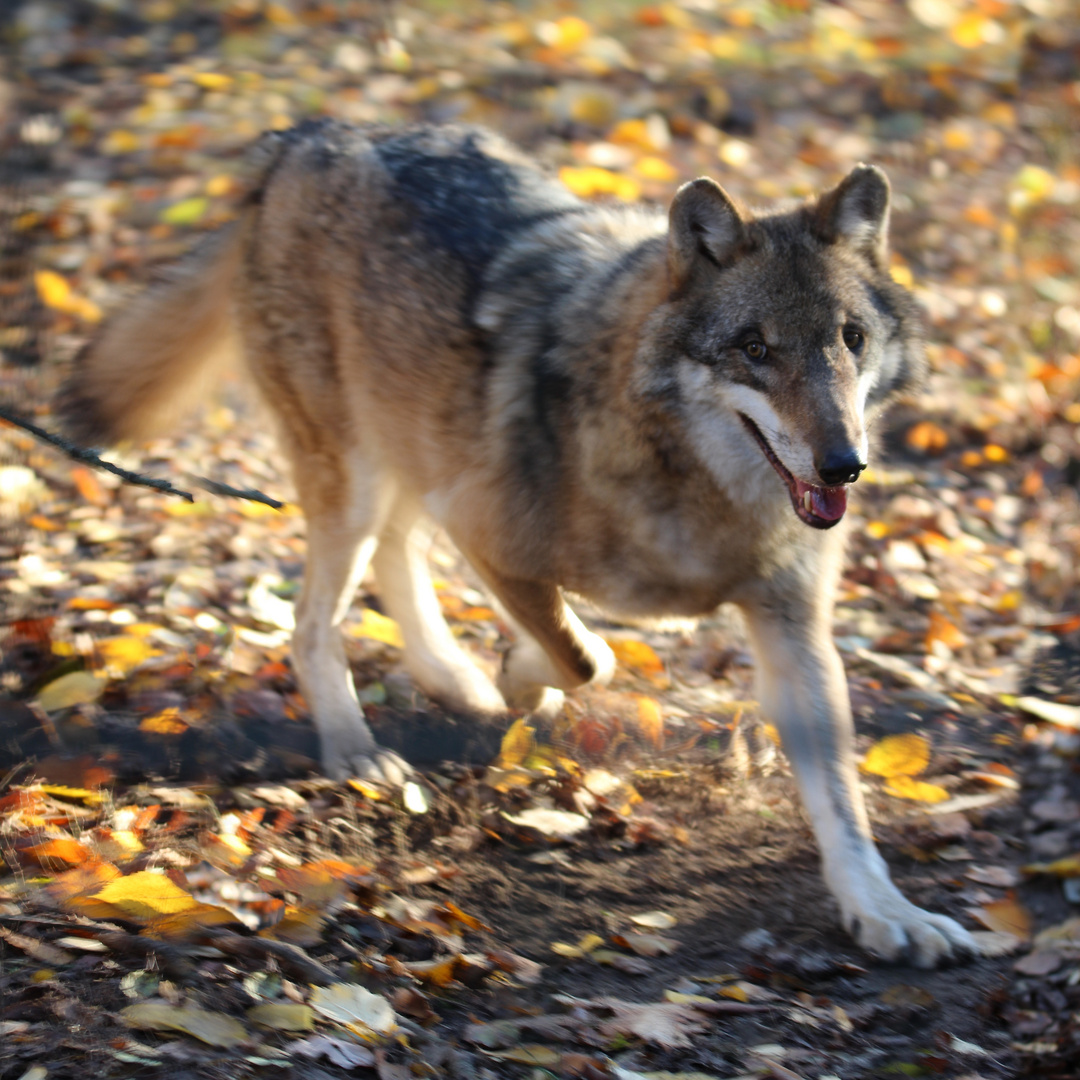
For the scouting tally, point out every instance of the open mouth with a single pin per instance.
(819, 507)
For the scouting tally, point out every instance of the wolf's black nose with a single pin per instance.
(840, 468)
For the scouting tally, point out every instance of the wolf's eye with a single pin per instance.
(853, 338)
(755, 350)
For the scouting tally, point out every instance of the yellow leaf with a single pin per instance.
(972, 30)
(655, 168)
(590, 943)
(125, 653)
(571, 952)
(146, 895)
(518, 743)
(119, 142)
(75, 688)
(376, 627)
(53, 289)
(166, 722)
(185, 212)
(898, 755)
(902, 275)
(212, 80)
(213, 1028)
(903, 787)
(1067, 867)
(736, 993)
(282, 1016)
(86, 795)
(650, 720)
(218, 185)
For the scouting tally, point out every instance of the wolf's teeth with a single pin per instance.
(807, 501)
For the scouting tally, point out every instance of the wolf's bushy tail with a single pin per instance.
(152, 358)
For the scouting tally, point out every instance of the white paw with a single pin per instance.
(884, 922)
(352, 751)
(460, 686)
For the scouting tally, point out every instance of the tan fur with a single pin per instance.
(441, 333)
(151, 362)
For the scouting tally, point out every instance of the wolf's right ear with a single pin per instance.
(703, 223)
(856, 212)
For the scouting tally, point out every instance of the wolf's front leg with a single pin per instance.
(555, 652)
(802, 688)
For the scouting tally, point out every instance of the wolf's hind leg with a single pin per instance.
(434, 658)
(556, 652)
(345, 508)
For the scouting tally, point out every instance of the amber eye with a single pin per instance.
(853, 338)
(755, 350)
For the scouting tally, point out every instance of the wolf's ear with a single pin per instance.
(856, 212)
(703, 223)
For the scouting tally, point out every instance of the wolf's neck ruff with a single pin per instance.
(819, 507)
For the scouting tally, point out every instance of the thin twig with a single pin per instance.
(88, 457)
(216, 488)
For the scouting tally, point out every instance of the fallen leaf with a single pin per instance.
(654, 920)
(214, 1028)
(1038, 963)
(1003, 877)
(354, 1007)
(553, 824)
(374, 626)
(1007, 915)
(75, 688)
(898, 755)
(39, 950)
(283, 1016)
(642, 659)
(904, 787)
(543, 1056)
(650, 720)
(340, 1052)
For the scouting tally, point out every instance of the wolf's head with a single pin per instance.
(787, 335)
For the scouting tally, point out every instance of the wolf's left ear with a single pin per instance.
(856, 212)
(703, 223)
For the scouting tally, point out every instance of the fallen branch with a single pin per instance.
(290, 958)
(216, 488)
(88, 457)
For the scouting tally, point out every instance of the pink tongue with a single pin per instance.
(827, 503)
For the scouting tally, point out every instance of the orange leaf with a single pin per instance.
(1007, 915)
(87, 878)
(641, 658)
(88, 486)
(927, 438)
(942, 630)
(59, 849)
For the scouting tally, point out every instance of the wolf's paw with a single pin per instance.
(884, 922)
(460, 686)
(355, 753)
(382, 766)
(529, 676)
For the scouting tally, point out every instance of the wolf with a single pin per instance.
(659, 413)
